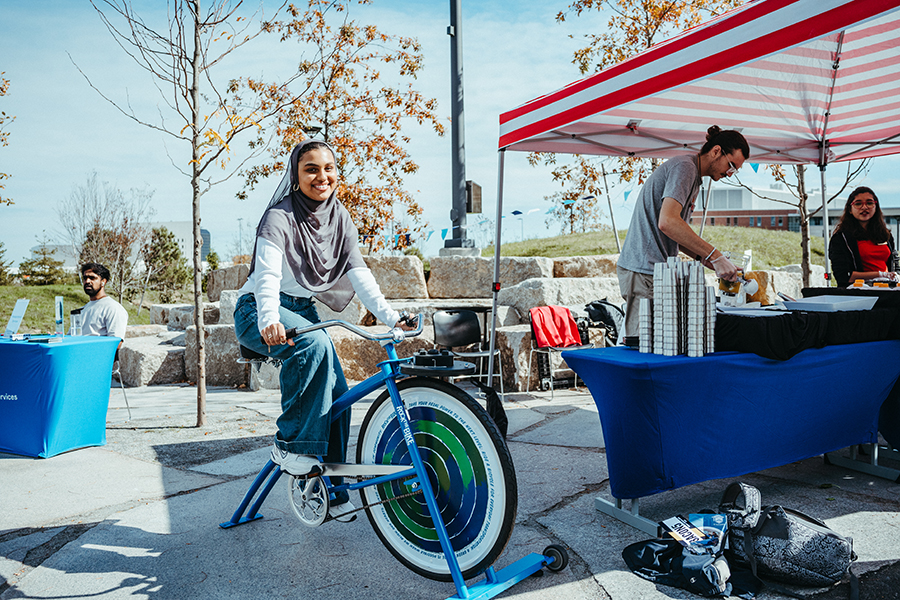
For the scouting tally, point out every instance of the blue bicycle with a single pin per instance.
(434, 474)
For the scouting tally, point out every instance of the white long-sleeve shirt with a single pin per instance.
(271, 275)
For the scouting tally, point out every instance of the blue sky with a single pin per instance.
(513, 51)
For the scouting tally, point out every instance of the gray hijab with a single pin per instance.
(319, 240)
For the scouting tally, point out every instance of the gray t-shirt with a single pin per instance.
(104, 317)
(645, 245)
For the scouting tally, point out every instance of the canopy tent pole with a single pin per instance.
(823, 144)
(825, 227)
(495, 288)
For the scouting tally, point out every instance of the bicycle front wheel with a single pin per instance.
(469, 468)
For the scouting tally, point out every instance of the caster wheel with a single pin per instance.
(559, 555)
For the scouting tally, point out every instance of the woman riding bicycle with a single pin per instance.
(306, 246)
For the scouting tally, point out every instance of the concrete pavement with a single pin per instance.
(138, 518)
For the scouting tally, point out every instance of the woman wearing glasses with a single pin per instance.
(862, 247)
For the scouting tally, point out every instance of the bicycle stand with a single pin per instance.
(494, 582)
(238, 517)
(497, 582)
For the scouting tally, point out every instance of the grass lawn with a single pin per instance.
(770, 248)
(39, 318)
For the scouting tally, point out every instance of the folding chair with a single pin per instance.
(462, 329)
(552, 330)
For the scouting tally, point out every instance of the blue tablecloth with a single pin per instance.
(674, 421)
(54, 396)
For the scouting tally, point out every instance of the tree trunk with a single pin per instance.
(805, 261)
(198, 237)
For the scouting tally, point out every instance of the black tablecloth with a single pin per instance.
(781, 337)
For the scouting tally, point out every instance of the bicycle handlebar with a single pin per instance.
(395, 335)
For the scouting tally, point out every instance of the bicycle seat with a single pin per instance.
(248, 355)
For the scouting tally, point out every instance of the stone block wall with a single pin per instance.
(585, 266)
(473, 277)
(559, 291)
(221, 348)
(399, 276)
(151, 360)
(229, 278)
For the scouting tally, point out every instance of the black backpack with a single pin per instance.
(606, 314)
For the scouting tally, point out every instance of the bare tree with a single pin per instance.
(180, 60)
(797, 187)
(107, 226)
(241, 248)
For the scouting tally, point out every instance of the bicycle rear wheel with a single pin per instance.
(469, 468)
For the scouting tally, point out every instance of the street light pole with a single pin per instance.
(458, 238)
(240, 241)
(518, 213)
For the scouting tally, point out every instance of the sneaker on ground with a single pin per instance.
(298, 465)
(339, 512)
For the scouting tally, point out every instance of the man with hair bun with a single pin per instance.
(659, 225)
(101, 315)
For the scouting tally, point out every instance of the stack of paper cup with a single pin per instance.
(659, 270)
(710, 319)
(681, 317)
(646, 326)
(696, 312)
(670, 314)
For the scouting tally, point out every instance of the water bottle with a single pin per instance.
(59, 316)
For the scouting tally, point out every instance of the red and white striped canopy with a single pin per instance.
(787, 73)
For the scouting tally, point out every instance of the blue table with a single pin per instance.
(669, 422)
(54, 396)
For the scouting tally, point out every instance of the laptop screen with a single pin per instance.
(15, 320)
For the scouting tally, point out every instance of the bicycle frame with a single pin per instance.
(389, 370)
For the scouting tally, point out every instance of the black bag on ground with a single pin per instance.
(783, 544)
(605, 313)
(667, 562)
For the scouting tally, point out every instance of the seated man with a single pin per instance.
(102, 315)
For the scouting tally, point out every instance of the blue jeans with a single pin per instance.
(311, 380)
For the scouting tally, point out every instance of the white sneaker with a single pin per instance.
(298, 465)
(339, 512)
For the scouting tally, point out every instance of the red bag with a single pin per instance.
(554, 326)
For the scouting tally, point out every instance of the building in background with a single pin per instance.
(739, 207)
(891, 218)
(184, 234)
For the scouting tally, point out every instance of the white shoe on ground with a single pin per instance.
(299, 465)
(339, 512)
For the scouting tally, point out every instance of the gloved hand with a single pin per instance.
(889, 275)
(725, 269)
